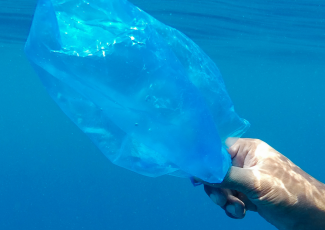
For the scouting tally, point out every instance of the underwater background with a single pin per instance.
(272, 58)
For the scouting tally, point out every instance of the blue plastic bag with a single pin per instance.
(145, 94)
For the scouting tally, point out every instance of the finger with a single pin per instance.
(239, 159)
(233, 145)
(249, 205)
(233, 206)
(230, 141)
(240, 179)
(238, 152)
(217, 195)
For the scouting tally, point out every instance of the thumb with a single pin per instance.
(240, 179)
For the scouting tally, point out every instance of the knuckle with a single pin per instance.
(257, 141)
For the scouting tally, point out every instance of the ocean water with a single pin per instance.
(272, 57)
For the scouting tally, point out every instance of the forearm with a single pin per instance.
(299, 203)
(309, 211)
(314, 210)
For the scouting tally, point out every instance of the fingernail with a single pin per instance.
(231, 209)
(217, 199)
(213, 198)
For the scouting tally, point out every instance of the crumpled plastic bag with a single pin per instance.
(145, 94)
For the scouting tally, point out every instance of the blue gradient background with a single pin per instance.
(272, 57)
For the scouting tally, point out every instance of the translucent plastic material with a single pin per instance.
(145, 94)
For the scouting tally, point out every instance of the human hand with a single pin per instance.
(263, 180)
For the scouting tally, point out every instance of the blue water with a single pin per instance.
(272, 57)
